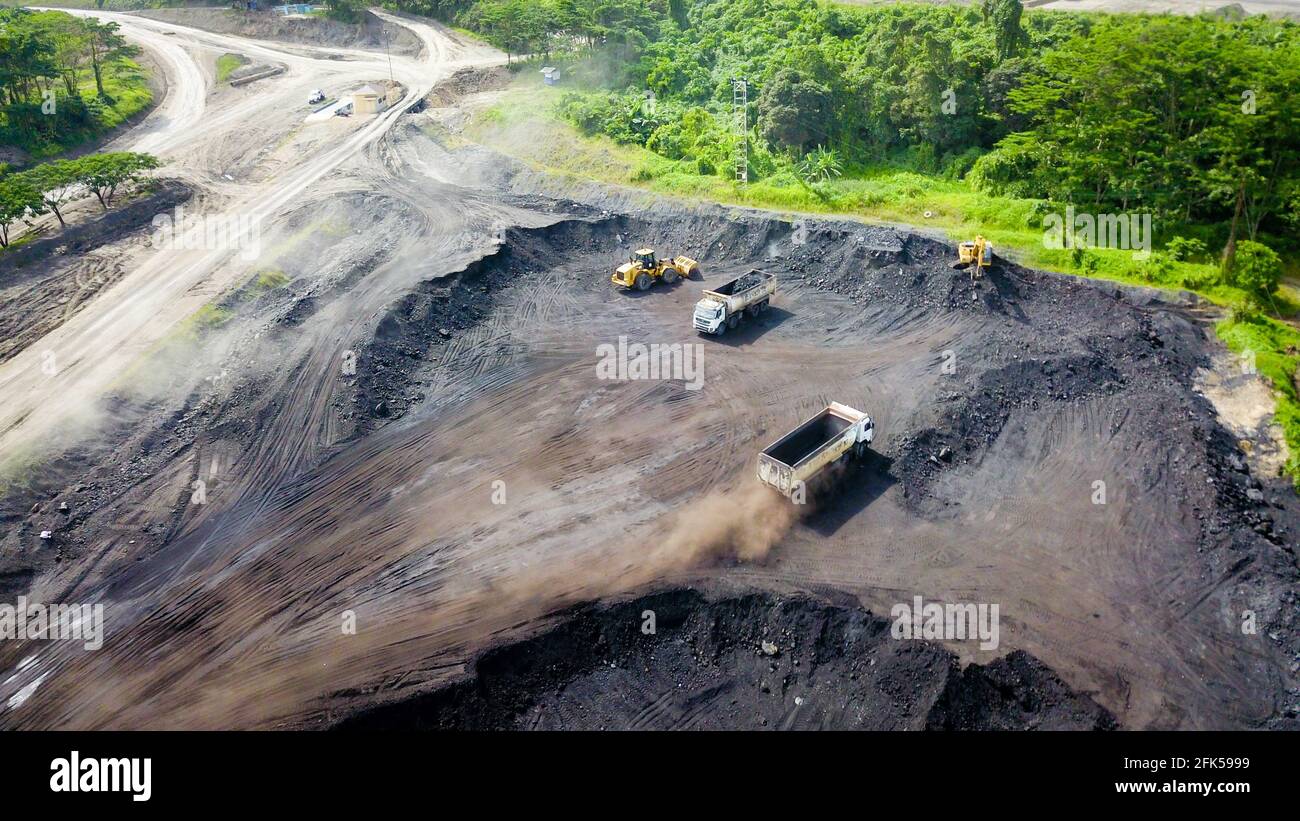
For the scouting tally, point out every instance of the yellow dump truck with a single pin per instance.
(836, 433)
(643, 270)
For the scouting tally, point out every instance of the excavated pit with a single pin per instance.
(999, 407)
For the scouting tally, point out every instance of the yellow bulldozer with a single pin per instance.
(977, 256)
(643, 270)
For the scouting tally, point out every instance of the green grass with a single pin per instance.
(126, 84)
(267, 280)
(523, 124)
(227, 64)
(206, 318)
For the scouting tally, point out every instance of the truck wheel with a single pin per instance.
(642, 282)
(722, 328)
(733, 320)
(670, 276)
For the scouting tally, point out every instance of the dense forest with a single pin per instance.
(63, 80)
(1195, 120)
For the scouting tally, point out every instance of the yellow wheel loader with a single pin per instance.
(977, 256)
(643, 270)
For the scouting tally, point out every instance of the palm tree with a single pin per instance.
(820, 165)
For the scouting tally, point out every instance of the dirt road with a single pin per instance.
(166, 286)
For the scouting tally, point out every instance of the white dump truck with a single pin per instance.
(723, 307)
(793, 461)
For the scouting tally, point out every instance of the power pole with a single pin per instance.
(388, 36)
(740, 122)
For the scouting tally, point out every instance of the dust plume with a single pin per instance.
(743, 523)
(293, 669)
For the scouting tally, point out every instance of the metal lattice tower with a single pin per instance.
(740, 122)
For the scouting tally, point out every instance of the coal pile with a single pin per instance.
(755, 661)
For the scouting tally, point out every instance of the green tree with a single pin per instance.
(71, 41)
(106, 174)
(18, 199)
(1007, 33)
(105, 45)
(26, 57)
(794, 112)
(57, 183)
(1257, 269)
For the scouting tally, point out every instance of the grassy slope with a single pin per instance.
(523, 124)
(127, 83)
(227, 64)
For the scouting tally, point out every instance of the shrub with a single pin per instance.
(1085, 261)
(1257, 269)
(1201, 280)
(1183, 249)
(1040, 209)
(1156, 268)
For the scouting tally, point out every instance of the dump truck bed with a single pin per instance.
(804, 440)
(818, 442)
(739, 293)
(723, 306)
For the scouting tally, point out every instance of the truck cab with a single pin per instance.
(723, 306)
(709, 315)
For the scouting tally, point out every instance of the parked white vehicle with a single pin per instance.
(317, 96)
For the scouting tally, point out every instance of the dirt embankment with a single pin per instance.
(676, 660)
(370, 33)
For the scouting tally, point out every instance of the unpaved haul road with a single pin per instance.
(50, 386)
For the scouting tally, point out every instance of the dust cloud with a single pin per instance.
(742, 523)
